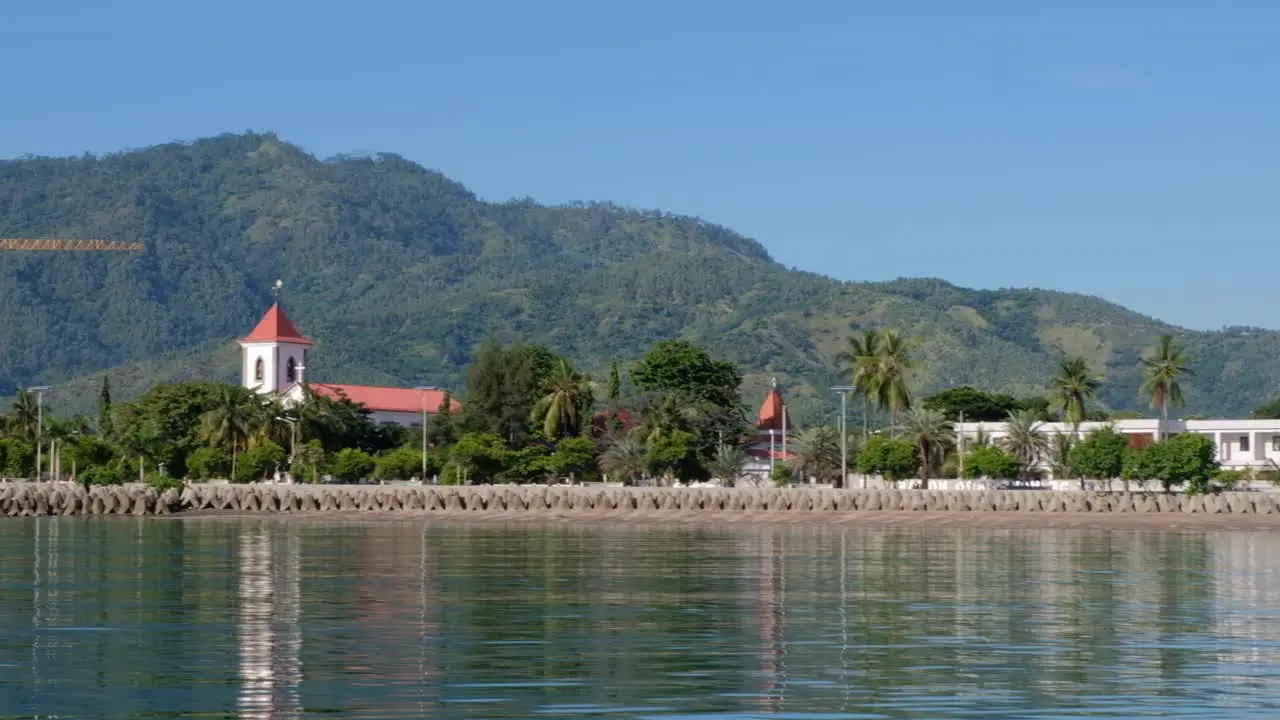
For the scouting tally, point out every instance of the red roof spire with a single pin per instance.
(772, 412)
(276, 327)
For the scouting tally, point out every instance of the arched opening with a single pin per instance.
(291, 370)
(259, 370)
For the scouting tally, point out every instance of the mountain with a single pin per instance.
(399, 273)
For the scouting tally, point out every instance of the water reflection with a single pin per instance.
(265, 619)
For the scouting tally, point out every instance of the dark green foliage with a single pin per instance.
(17, 458)
(991, 462)
(260, 462)
(402, 464)
(1268, 411)
(1188, 459)
(674, 455)
(207, 463)
(680, 367)
(889, 458)
(351, 464)
(1099, 456)
(104, 408)
(442, 429)
(976, 405)
(502, 386)
(481, 457)
(113, 474)
(574, 457)
(1230, 479)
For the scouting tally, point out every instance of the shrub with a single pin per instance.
(206, 463)
(1230, 479)
(112, 474)
(400, 464)
(350, 465)
(889, 458)
(259, 462)
(991, 462)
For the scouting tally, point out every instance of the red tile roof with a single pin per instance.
(387, 399)
(275, 327)
(772, 412)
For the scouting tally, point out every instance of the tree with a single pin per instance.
(1073, 387)
(1186, 459)
(889, 458)
(627, 459)
(574, 457)
(886, 374)
(351, 465)
(230, 422)
(1059, 456)
(680, 367)
(24, 417)
(932, 434)
(308, 459)
(728, 464)
(104, 408)
(1267, 411)
(399, 464)
(502, 386)
(441, 429)
(207, 463)
(259, 462)
(1160, 374)
(989, 461)
(864, 352)
(480, 455)
(1100, 455)
(1024, 441)
(674, 456)
(816, 453)
(566, 404)
(972, 404)
(614, 390)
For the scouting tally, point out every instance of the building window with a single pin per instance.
(291, 370)
(1244, 443)
(1275, 443)
(259, 370)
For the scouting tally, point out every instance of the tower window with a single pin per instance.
(291, 370)
(259, 370)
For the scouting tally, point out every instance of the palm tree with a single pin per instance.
(816, 453)
(24, 418)
(728, 464)
(1024, 441)
(892, 369)
(1160, 375)
(230, 422)
(1073, 386)
(1059, 454)
(562, 409)
(666, 413)
(626, 458)
(932, 433)
(863, 354)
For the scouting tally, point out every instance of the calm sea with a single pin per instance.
(123, 618)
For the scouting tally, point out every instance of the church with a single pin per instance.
(274, 360)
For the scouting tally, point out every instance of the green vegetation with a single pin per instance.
(400, 274)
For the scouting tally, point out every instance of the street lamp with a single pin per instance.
(844, 391)
(293, 438)
(423, 389)
(39, 390)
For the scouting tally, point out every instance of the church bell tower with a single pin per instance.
(273, 356)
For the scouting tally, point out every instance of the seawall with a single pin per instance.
(26, 499)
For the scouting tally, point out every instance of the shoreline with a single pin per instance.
(875, 520)
(597, 505)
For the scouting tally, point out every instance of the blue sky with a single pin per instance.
(1125, 149)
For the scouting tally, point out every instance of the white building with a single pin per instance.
(1241, 444)
(274, 358)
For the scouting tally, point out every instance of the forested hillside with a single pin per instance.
(399, 273)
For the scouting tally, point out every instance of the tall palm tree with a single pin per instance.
(1024, 441)
(1059, 455)
(893, 370)
(626, 458)
(562, 410)
(230, 422)
(1160, 374)
(24, 417)
(932, 433)
(863, 354)
(664, 414)
(728, 464)
(816, 453)
(1073, 386)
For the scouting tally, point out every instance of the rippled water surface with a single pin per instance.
(121, 618)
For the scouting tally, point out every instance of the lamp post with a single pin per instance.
(423, 389)
(39, 391)
(844, 432)
(293, 439)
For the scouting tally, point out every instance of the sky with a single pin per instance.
(1129, 150)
